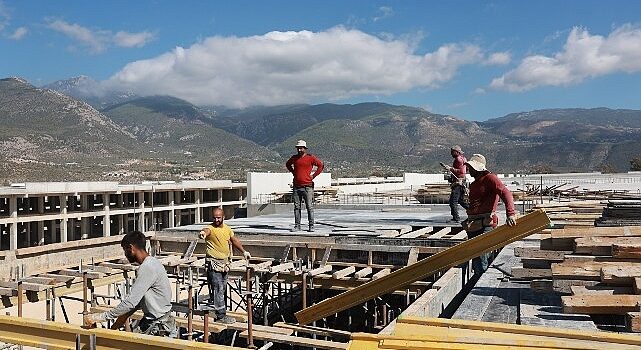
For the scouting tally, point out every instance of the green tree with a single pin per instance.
(608, 169)
(635, 164)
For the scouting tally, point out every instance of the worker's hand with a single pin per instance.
(201, 234)
(89, 321)
(511, 220)
(447, 167)
(247, 255)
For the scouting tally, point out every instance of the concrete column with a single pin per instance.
(121, 224)
(141, 207)
(106, 220)
(220, 195)
(172, 211)
(85, 224)
(198, 195)
(63, 220)
(178, 199)
(13, 226)
(41, 224)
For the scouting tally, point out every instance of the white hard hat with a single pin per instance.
(477, 161)
(301, 143)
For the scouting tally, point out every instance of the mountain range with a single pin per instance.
(65, 131)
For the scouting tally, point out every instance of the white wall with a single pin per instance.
(261, 185)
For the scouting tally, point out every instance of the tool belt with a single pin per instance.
(164, 325)
(218, 265)
(478, 222)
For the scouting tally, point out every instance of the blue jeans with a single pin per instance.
(481, 263)
(217, 288)
(457, 196)
(305, 194)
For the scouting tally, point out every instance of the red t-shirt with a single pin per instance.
(484, 196)
(301, 167)
(458, 167)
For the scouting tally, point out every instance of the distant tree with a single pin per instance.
(635, 164)
(608, 169)
(542, 169)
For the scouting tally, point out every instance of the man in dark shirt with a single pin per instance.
(301, 165)
(457, 182)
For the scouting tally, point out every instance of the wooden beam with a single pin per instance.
(533, 253)
(281, 267)
(626, 251)
(76, 273)
(602, 245)
(344, 272)
(441, 233)
(363, 272)
(381, 273)
(319, 270)
(412, 256)
(601, 304)
(621, 275)
(462, 252)
(300, 341)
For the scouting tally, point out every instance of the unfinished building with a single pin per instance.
(369, 277)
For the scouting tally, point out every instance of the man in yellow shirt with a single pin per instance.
(218, 236)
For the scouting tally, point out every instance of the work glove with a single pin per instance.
(511, 220)
(247, 255)
(201, 234)
(90, 320)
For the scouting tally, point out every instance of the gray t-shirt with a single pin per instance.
(150, 292)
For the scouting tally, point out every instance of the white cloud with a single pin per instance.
(385, 11)
(19, 33)
(98, 41)
(498, 58)
(5, 16)
(125, 39)
(583, 56)
(289, 67)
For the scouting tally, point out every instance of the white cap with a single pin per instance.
(477, 161)
(301, 143)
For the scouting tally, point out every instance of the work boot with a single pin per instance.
(226, 319)
(311, 228)
(296, 228)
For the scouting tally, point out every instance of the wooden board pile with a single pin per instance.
(439, 333)
(579, 213)
(597, 268)
(621, 213)
(433, 194)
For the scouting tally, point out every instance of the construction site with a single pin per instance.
(385, 268)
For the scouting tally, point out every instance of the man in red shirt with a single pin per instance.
(301, 165)
(457, 182)
(484, 196)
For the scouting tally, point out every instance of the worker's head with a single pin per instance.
(476, 165)
(301, 147)
(455, 151)
(134, 245)
(219, 217)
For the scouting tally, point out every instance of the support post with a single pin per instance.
(250, 331)
(84, 293)
(206, 326)
(20, 296)
(190, 311)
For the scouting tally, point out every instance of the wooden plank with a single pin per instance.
(412, 256)
(58, 278)
(281, 267)
(600, 304)
(620, 274)
(460, 326)
(460, 235)
(381, 273)
(633, 322)
(363, 272)
(527, 274)
(328, 250)
(76, 273)
(417, 233)
(441, 233)
(599, 290)
(632, 251)
(602, 245)
(325, 332)
(319, 270)
(564, 286)
(637, 285)
(293, 340)
(116, 266)
(578, 232)
(586, 271)
(344, 272)
(462, 252)
(34, 287)
(533, 253)
(8, 292)
(214, 327)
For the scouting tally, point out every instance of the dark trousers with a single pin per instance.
(217, 288)
(305, 194)
(457, 196)
(480, 264)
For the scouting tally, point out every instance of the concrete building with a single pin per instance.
(38, 213)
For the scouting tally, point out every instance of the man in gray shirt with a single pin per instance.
(150, 292)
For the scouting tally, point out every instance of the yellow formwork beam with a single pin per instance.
(462, 252)
(464, 325)
(482, 337)
(59, 336)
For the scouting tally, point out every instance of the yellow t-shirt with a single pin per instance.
(218, 241)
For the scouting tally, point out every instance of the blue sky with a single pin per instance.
(474, 60)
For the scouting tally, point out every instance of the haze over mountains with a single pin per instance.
(47, 135)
